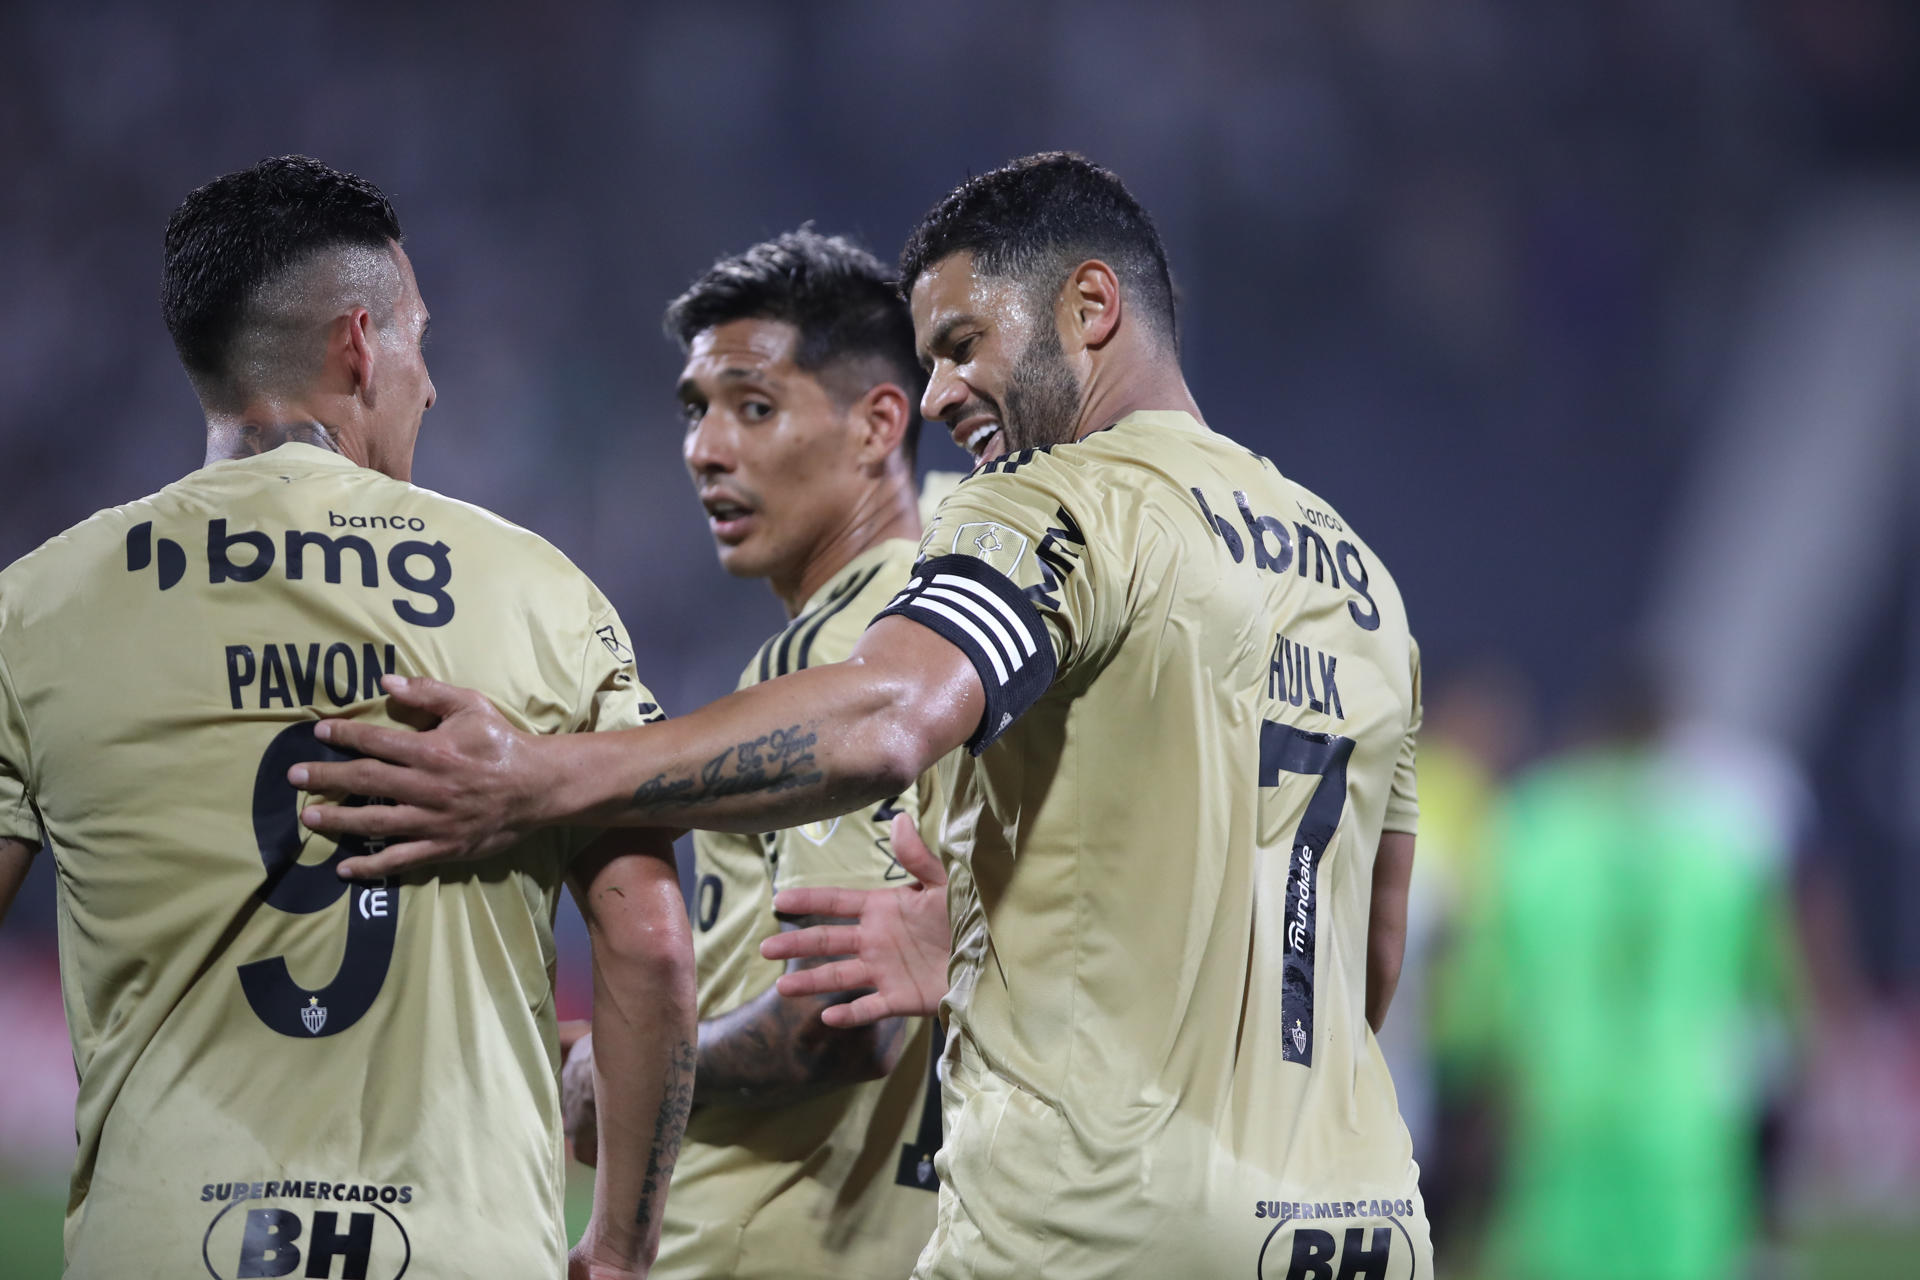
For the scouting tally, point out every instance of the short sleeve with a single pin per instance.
(611, 695)
(18, 819)
(1003, 575)
(1403, 802)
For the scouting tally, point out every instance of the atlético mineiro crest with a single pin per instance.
(314, 1016)
(1299, 1034)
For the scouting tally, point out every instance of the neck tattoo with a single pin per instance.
(251, 439)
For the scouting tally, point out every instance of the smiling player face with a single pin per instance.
(770, 451)
(999, 380)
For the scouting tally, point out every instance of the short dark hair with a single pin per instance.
(236, 235)
(1037, 219)
(842, 300)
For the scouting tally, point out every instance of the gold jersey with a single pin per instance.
(281, 1073)
(838, 1187)
(1201, 700)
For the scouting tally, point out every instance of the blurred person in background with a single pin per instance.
(1816, 689)
(810, 1151)
(274, 1065)
(1638, 977)
(1477, 727)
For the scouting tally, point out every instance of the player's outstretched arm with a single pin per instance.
(892, 951)
(643, 1044)
(16, 859)
(812, 745)
(1387, 922)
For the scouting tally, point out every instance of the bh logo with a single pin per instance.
(1358, 1253)
(355, 1241)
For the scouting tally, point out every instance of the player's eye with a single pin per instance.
(755, 410)
(963, 350)
(691, 411)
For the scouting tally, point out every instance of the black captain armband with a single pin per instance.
(978, 608)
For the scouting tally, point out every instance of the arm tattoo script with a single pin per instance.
(774, 1050)
(676, 1100)
(776, 761)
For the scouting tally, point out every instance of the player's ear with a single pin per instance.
(350, 350)
(1089, 310)
(882, 417)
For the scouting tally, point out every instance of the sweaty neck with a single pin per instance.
(263, 426)
(250, 439)
(1134, 382)
(890, 509)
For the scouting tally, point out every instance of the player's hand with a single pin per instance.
(586, 1263)
(465, 789)
(577, 1111)
(897, 944)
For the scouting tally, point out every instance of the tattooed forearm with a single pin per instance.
(676, 1100)
(780, 760)
(774, 1050)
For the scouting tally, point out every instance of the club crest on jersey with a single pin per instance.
(314, 1016)
(1299, 1038)
(611, 638)
(819, 832)
(997, 545)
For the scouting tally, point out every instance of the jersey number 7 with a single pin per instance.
(373, 910)
(1285, 749)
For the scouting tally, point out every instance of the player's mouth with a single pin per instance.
(730, 519)
(981, 436)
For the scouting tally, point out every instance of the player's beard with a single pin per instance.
(1043, 396)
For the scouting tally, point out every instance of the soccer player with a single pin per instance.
(281, 1073)
(810, 1152)
(1188, 694)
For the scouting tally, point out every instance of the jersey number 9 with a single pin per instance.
(373, 910)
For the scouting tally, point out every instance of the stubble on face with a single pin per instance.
(1043, 395)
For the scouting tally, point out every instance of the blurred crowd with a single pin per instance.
(1599, 318)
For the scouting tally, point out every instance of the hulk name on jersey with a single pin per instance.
(841, 1184)
(280, 1073)
(1201, 694)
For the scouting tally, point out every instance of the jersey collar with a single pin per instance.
(878, 553)
(1165, 419)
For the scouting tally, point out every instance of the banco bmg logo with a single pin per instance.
(420, 569)
(328, 1230)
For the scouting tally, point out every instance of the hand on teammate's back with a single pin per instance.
(458, 791)
(897, 944)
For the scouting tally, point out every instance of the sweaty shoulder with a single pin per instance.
(1157, 495)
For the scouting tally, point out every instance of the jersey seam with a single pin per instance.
(1050, 1238)
(26, 737)
(586, 656)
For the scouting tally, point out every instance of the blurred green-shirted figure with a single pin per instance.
(1637, 965)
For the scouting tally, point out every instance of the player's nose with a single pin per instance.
(706, 447)
(945, 392)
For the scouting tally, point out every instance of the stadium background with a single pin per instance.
(1598, 318)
